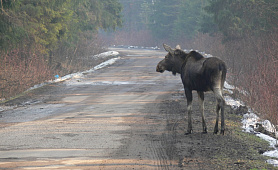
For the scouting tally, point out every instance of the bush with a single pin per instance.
(18, 72)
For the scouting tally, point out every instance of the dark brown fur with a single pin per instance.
(200, 74)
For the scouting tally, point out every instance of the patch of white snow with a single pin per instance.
(232, 102)
(106, 54)
(273, 162)
(228, 86)
(250, 121)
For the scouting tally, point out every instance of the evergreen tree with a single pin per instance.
(189, 19)
(49, 22)
(11, 29)
(175, 19)
(237, 19)
(163, 18)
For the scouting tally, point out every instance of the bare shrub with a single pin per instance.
(262, 82)
(18, 73)
(69, 59)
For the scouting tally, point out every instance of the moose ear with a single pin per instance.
(178, 47)
(178, 52)
(168, 48)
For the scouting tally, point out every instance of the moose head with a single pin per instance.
(172, 61)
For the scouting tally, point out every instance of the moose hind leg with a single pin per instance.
(217, 118)
(201, 103)
(220, 105)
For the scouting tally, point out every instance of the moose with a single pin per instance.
(200, 74)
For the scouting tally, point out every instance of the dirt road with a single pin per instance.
(125, 116)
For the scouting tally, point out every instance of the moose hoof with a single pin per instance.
(222, 132)
(188, 132)
(205, 131)
(215, 132)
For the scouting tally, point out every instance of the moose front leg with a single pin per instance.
(188, 94)
(201, 103)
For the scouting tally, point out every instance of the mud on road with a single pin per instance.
(118, 118)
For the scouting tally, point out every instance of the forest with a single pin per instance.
(42, 38)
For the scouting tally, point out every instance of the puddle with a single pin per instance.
(25, 114)
(134, 55)
(104, 83)
(75, 99)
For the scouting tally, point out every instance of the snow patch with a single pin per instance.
(135, 47)
(273, 162)
(233, 103)
(104, 64)
(250, 121)
(228, 87)
(106, 54)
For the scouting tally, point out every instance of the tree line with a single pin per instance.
(40, 38)
(172, 20)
